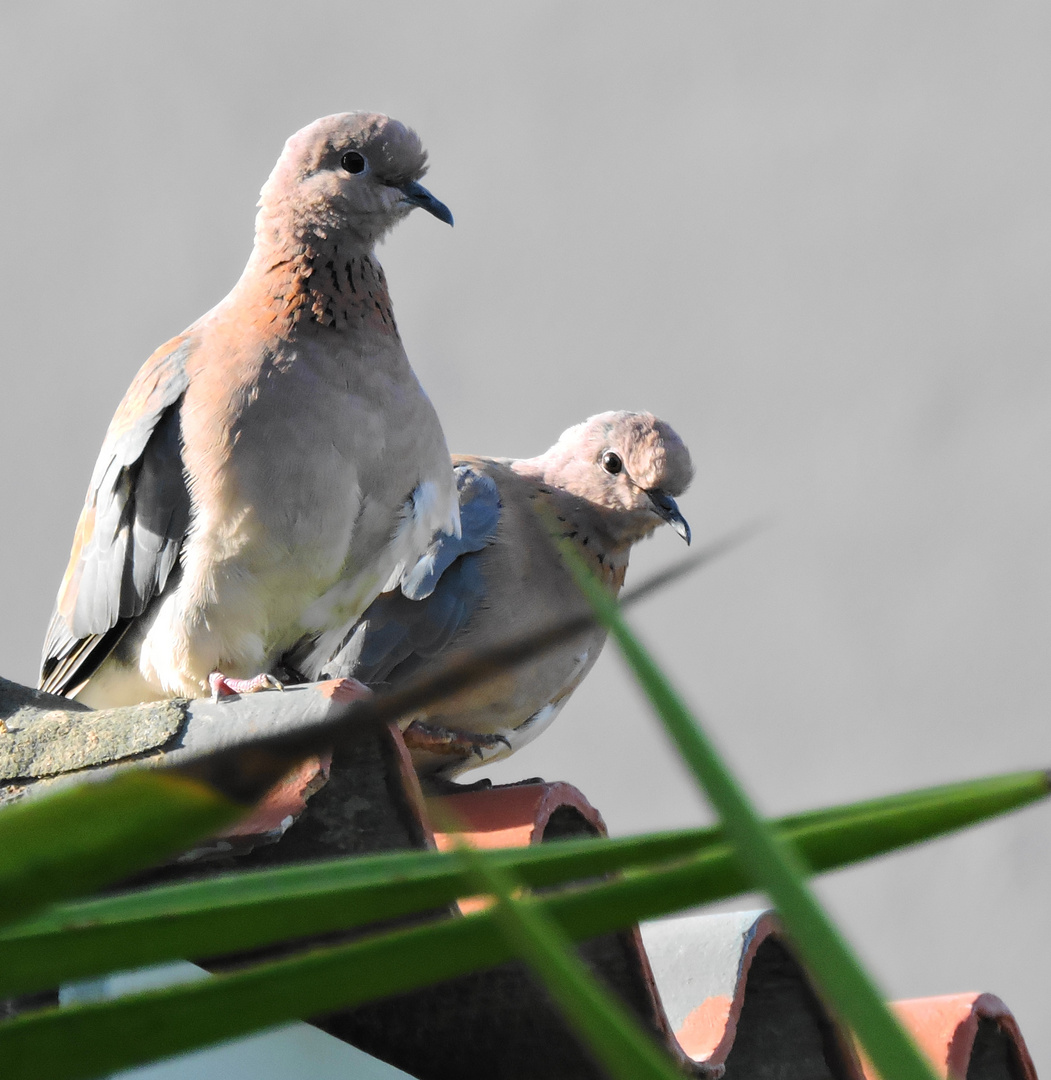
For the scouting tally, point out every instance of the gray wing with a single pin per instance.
(405, 628)
(131, 529)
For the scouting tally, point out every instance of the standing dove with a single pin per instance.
(273, 468)
(607, 482)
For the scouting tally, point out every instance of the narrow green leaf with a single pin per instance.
(75, 841)
(234, 912)
(241, 911)
(770, 861)
(89, 1040)
(839, 836)
(92, 1040)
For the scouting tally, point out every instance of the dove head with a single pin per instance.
(346, 177)
(630, 464)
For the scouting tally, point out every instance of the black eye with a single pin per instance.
(611, 462)
(352, 161)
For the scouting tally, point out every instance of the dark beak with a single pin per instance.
(417, 195)
(668, 509)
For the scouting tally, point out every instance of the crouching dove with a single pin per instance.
(607, 483)
(273, 468)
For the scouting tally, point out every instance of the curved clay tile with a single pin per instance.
(967, 1036)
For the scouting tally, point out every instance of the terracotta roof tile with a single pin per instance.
(972, 1036)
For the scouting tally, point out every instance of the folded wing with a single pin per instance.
(135, 518)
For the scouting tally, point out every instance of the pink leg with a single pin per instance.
(224, 686)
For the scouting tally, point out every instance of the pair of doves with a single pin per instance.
(274, 498)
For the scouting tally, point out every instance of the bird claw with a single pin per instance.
(439, 740)
(224, 686)
(491, 740)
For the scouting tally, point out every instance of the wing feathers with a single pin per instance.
(135, 517)
(479, 517)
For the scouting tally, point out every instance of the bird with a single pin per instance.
(274, 467)
(606, 484)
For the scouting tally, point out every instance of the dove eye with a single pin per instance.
(611, 462)
(353, 162)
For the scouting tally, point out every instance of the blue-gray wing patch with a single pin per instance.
(479, 517)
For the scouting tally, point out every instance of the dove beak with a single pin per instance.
(668, 509)
(417, 195)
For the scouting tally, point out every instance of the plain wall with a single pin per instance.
(814, 237)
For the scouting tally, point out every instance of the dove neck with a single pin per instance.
(601, 535)
(597, 537)
(324, 280)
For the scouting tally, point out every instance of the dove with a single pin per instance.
(277, 465)
(606, 484)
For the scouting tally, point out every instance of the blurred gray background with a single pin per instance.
(816, 238)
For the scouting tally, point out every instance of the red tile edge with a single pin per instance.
(410, 786)
(287, 799)
(513, 816)
(510, 816)
(284, 802)
(708, 1032)
(945, 1028)
(271, 817)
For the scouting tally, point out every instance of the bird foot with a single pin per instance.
(438, 740)
(224, 686)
